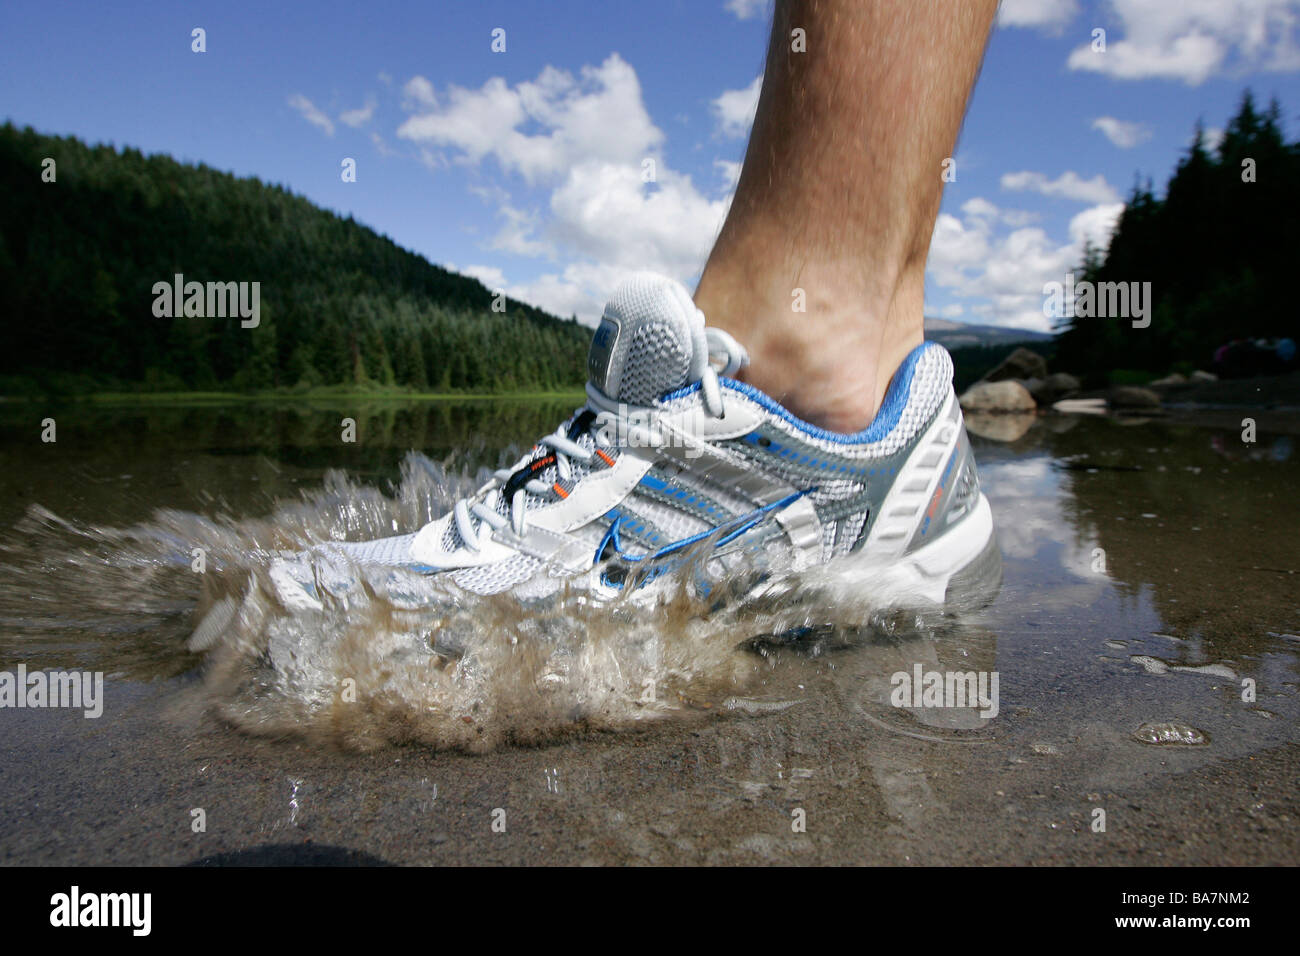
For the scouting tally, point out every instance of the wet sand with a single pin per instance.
(718, 794)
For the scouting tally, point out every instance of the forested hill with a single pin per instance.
(339, 304)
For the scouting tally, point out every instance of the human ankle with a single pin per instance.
(830, 364)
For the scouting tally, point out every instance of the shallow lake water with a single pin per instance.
(1144, 644)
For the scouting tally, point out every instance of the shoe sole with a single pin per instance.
(962, 568)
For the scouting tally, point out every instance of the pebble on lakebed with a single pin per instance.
(1170, 732)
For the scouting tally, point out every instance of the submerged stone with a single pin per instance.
(1170, 732)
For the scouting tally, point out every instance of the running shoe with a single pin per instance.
(674, 464)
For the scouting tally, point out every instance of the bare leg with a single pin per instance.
(840, 189)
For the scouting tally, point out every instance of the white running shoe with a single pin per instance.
(672, 462)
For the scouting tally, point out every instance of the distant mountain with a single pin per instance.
(956, 335)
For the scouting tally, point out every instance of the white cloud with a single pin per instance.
(516, 235)
(1050, 16)
(1001, 274)
(747, 9)
(490, 276)
(418, 93)
(580, 289)
(734, 109)
(730, 172)
(603, 211)
(1096, 224)
(311, 114)
(1213, 136)
(582, 142)
(956, 247)
(979, 207)
(606, 223)
(1192, 40)
(1121, 133)
(598, 116)
(1193, 59)
(359, 117)
(1069, 185)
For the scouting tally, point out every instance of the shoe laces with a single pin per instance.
(607, 429)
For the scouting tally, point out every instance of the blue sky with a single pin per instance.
(523, 167)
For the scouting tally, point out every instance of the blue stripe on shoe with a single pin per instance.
(680, 494)
(891, 410)
(734, 529)
(771, 445)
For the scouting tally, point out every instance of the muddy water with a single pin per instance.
(1142, 646)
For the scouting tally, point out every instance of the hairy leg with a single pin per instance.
(838, 196)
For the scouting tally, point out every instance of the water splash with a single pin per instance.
(473, 673)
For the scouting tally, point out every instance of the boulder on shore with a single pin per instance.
(1174, 379)
(1020, 364)
(1052, 389)
(1005, 396)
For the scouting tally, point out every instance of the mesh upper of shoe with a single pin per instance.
(915, 401)
(660, 344)
(654, 361)
(498, 576)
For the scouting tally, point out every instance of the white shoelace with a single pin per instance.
(732, 357)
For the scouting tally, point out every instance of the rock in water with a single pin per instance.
(1020, 364)
(1131, 396)
(1004, 396)
(1052, 389)
(1170, 732)
(1081, 406)
(1000, 426)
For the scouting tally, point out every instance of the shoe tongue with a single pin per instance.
(650, 341)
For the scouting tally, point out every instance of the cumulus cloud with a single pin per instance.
(1069, 185)
(307, 109)
(1096, 224)
(598, 115)
(730, 172)
(980, 208)
(418, 93)
(490, 276)
(1050, 16)
(582, 143)
(603, 211)
(1001, 273)
(518, 233)
(734, 109)
(1192, 40)
(1123, 134)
